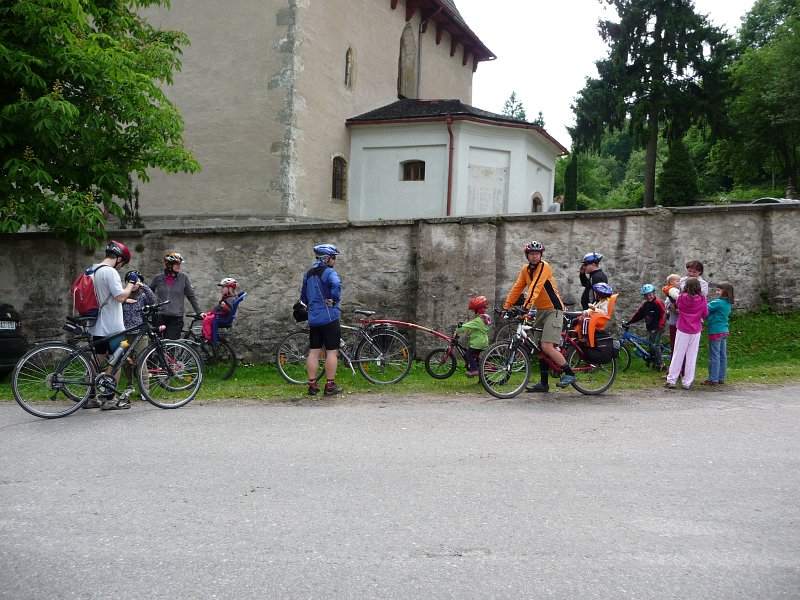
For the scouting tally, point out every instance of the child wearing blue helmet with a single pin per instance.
(653, 312)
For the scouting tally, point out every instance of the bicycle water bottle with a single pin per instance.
(123, 345)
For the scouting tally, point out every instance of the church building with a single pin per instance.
(336, 110)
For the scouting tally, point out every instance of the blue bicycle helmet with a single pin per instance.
(648, 288)
(592, 258)
(324, 250)
(603, 288)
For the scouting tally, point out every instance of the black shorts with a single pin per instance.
(108, 346)
(325, 336)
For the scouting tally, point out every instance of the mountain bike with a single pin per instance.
(634, 345)
(505, 367)
(219, 358)
(381, 354)
(55, 378)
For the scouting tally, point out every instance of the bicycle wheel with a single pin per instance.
(624, 359)
(506, 332)
(291, 358)
(219, 360)
(387, 358)
(441, 363)
(169, 377)
(504, 369)
(49, 382)
(591, 379)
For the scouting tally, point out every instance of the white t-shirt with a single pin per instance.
(107, 286)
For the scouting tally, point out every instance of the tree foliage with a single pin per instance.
(765, 108)
(664, 72)
(81, 109)
(513, 108)
(677, 183)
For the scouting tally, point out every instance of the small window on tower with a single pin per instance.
(339, 179)
(348, 69)
(413, 170)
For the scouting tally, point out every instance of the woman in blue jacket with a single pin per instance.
(321, 292)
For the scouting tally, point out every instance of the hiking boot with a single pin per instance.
(313, 390)
(333, 390)
(566, 380)
(538, 387)
(708, 382)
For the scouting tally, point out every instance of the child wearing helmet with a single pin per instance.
(653, 312)
(478, 332)
(132, 316)
(225, 306)
(597, 314)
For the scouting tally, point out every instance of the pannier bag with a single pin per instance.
(605, 349)
(300, 311)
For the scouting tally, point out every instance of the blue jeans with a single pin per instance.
(718, 359)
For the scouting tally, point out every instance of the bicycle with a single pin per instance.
(55, 378)
(219, 358)
(505, 367)
(441, 363)
(381, 354)
(634, 345)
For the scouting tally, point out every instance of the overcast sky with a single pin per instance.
(546, 48)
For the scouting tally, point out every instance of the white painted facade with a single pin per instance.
(496, 169)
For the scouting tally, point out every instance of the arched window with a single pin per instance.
(348, 68)
(407, 65)
(538, 202)
(339, 179)
(412, 170)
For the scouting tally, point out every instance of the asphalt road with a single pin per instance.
(661, 494)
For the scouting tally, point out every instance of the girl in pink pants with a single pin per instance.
(692, 309)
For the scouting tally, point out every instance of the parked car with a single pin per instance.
(775, 201)
(12, 342)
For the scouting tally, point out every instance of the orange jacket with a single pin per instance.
(542, 290)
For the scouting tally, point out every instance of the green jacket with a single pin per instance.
(478, 330)
(718, 312)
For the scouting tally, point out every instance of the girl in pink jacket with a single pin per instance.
(692, 309)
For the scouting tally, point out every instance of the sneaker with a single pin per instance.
(113, 404)
(566, 380)
(93, 403)
(472, 373)
(669, 386)
(313, 390)
(686, 387)
(537, 387)
(333, 390)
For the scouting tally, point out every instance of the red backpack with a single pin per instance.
(84, 299)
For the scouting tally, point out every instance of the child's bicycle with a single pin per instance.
(441, 363)
(634, 345)
(506, 366)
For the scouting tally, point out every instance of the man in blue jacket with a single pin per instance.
(321, 292)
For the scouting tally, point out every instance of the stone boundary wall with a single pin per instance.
(425, 271)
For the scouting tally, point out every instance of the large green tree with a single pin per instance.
(765, 110)
(81, 109)
(664, 72)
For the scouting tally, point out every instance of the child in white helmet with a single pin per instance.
(225, 306)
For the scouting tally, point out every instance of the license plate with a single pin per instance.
(8, 325)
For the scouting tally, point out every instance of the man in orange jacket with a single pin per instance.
(542, 296)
